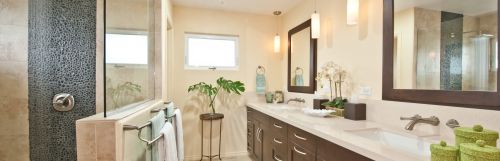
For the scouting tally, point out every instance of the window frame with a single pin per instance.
(234, 38)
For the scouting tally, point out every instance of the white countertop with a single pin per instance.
(334, 129)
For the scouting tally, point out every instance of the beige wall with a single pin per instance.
(359, 49)
(14, 80)
(256, 33)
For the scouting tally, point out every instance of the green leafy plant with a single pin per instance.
(212, 91)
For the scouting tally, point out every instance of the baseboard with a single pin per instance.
(229, 154)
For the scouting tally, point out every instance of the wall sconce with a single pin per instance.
(277, 43)
(277, 39)
(315, 23)
(352, 12)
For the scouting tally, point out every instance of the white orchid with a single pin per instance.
(336, 76)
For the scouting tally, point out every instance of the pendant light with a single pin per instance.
(352, 12)
(315, 23)
(277, 39)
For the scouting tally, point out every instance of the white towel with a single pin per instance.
(180, 133)
(166, 145)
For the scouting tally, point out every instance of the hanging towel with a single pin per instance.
(180, 137)
(170, 110)
(166, 145)
(157, 123)
(299, 80)
(261, 83)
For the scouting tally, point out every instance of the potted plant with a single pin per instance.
(212, 91)
(334, 74)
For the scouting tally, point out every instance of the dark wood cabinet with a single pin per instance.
(269, 139)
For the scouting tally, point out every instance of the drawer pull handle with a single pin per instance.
(298, 151)
(299, 137)
(276, 158)
(277, 126)
(259, 131)
(277, 141)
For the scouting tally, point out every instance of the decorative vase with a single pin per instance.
(339, 112)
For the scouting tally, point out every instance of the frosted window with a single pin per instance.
(126, 49)
(205, 51)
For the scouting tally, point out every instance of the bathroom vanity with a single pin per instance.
(271, 139)
(280, 132)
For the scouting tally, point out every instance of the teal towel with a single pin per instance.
(157, 123)
(261, 84)
(299, 80)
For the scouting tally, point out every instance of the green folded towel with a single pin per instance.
(478, 151)
(442, 152)
(471, 135)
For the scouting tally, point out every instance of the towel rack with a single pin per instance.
(148, 124)
(299, 70)
(260, 69)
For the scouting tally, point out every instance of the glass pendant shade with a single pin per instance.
(277, 41)
(315, 25)
(352, 12)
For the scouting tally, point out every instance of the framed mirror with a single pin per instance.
(301, 59)
(442, 52)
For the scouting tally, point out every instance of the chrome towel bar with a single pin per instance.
(148, 124)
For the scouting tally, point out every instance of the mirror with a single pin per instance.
(129, 53)
(445, 45)
(301, 59)
(442, 52)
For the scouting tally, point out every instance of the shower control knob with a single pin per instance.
(63, 102)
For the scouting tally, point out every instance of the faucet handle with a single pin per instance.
(411, 118)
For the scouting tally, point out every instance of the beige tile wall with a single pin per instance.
(14, 80)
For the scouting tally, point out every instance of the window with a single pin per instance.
(126, 49)
(211, 51)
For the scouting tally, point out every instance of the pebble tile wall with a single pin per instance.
(61, 58)
(451, 50)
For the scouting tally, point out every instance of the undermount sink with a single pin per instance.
(405, 142)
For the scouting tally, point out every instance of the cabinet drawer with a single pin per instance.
(278, 127)
(328, 151)
(297, 153)
(302, 139)
(279, 143)
(280, 155)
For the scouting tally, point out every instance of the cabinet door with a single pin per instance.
(250, 135)
(258, 141)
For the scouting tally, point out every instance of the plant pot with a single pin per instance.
(330, 108)
(339, 112)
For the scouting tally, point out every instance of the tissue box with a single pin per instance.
(317, 103)
(355, 111)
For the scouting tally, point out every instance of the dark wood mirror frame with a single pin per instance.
(313, 62)
(469, 99)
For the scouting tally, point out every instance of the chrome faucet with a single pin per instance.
(296, 100)
(433, 120)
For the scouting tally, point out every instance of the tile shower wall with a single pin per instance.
(14, 80)
(61, 58)
(451, 50)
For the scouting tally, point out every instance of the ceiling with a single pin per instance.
(249, 6)
(466, 7)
